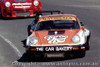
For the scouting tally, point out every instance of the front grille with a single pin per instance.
(23, 14)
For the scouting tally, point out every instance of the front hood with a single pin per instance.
(55, 37)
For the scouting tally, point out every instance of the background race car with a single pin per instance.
(57, 35)
(20, 8)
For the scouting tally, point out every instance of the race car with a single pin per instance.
(57, 35)
(20, 8)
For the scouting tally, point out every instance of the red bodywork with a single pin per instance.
(19, 8)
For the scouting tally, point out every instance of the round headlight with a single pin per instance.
(76, 39)
(34, 40)
(36, 3)
(7, 4)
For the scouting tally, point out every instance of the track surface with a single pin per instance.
(13, 33)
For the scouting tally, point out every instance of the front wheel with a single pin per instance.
(75, 54)
(87, 45)
(34, 56)
(80, 54)
(0, 14)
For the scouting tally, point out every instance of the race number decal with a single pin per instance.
(56, 39)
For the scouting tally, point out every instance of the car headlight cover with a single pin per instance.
(76, 39)
(7, 4)
(33, 40)
(36, 3)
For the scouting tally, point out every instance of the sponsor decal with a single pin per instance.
(57, 18)
(56, 39)
(54, 49)
(22, 4)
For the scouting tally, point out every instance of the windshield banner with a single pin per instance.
(57, 18)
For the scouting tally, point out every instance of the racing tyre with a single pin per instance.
(32, 56)
(80, 54)
(87, 45)
(0, 14)
(28, 30)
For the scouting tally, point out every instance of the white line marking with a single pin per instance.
(12, 45)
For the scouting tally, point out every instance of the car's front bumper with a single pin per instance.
(19, 13)
(54, 51)
(62, 48)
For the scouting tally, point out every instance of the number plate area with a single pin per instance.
(54, 55)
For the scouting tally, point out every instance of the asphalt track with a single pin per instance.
(13, 33)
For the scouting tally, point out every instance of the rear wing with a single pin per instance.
(47, 13)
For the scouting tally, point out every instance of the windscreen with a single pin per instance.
(57, 24)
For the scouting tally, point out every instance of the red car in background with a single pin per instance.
(20, 8)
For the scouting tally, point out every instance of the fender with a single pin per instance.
(88, 35)
(84, 35)
(86, 32)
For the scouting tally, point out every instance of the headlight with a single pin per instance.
(7, 4)
(36, 3)
(76, 39)
(33, 40)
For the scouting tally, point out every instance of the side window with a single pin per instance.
(0, 0)
(78, 20)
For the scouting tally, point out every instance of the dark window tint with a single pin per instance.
(58, 24)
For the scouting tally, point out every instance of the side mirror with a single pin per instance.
(31, 31)
(81, 23)
(82, 28)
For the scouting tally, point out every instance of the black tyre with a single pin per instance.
(28, 30)
(80, 54)
(34, 56)
(87, 45)
(0, 14)
(30, 56)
